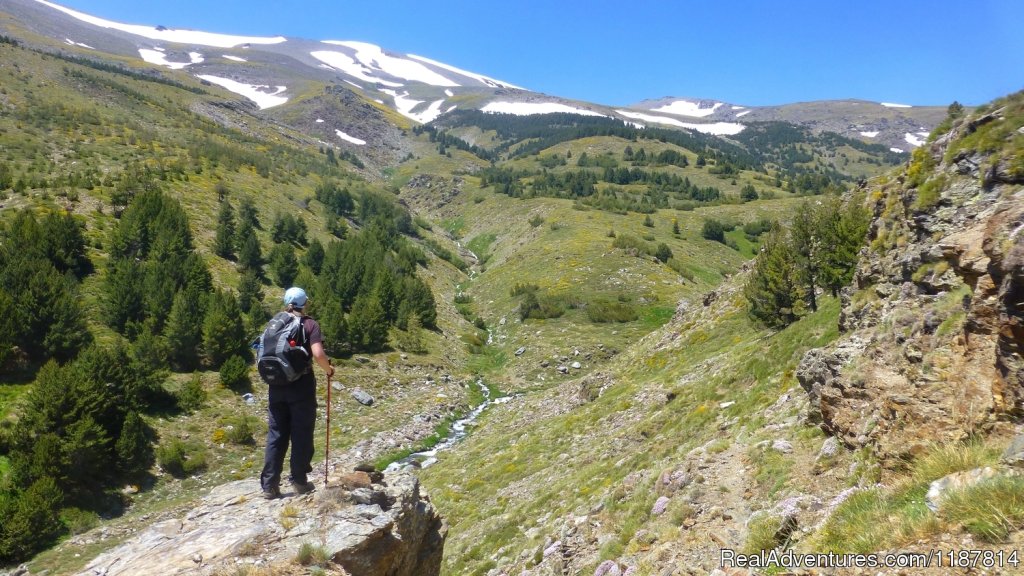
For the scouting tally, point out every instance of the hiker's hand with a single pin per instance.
(330, 372)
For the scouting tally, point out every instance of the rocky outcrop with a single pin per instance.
(367, 526)
(934, 326)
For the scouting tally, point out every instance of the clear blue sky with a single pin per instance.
(744, 52)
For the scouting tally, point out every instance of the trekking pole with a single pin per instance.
(327, 448)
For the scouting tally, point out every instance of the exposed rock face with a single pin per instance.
(369, 529)
(934, 321)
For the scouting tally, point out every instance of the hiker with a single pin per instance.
(292, 408)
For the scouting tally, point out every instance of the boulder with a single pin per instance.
(362, 397)
(397, 533)
(956, 481)
(1014, 454)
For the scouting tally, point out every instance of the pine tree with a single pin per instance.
(333, 326)
(807, 249)
(314, 256)
(278, 229)
(250, 291)
(368, 324)
(34, 523)
(247, 215)
(64, 243)
(134, 451)
(250, 257)
(843, 231)
(772, 291)
(224, 240)
(223, 330)
(283, 264)
(183, 332)
(7, 325)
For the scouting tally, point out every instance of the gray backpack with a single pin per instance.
(280, 355)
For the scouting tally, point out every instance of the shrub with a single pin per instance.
(602, 311)
(239, 431)
(79, 521)
(536, 220)
(179, 459)
(234, 374)
(713, 230)
(663, 252)
(540, 308)
(990, 509)
(192, 395)
(312, 555)
(632, 244)
(520, 288)
(677, 265)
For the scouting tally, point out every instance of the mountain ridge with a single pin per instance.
(423, 89)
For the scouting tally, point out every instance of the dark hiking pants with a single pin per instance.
(291, 416)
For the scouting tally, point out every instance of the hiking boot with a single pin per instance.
(272, 493)
(303, 487)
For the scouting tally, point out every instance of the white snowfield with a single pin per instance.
(169, 35)
(349, 66)
(915, 139)
(159, 58)
(687, 108)
(742, 114)
(73, 43)
(892, 105)
(485, 79)
(235, 58)
(531, 108)
(373, 57)
(404, 105)
(869, 134)
(256, 92)
(716, 129)
(347, 138)
(897, 150)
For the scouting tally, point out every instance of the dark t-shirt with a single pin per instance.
(313, 334)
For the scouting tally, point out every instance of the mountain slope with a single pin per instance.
(275, 71)
(699, 438)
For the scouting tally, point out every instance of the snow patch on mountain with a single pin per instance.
(915, 139)
(346, 64)
(405, 105)
(448, 92)
(159, 58)
(716, 129)
(235, 58)
(73, 43)
(167, 34)
(742, 114)
(897, 150)
(738, 107)
(347, 138)
(871, 134)
(893, 105)
(319, 120)
(258, 93)
(531, 108)
(485, 79)
(687, 108)
(373, 57)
